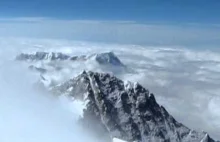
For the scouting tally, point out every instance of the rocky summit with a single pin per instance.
(124, 110)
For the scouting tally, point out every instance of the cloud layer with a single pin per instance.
(29, 114)
(185, 81)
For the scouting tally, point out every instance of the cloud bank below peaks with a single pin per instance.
(184, 81)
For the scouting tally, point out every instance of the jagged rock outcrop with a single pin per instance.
(125, 110)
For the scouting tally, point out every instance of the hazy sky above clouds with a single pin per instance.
(152, 22)
(206, 11)
(123, 32)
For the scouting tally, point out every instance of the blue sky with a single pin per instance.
(177, 11)
(152, 22)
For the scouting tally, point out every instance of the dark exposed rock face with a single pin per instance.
(125, 110)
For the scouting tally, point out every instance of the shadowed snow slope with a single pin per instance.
(125, 110)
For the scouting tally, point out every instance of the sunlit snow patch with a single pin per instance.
(118, 140)
(74, 106)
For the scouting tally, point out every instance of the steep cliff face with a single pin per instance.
(124, 110)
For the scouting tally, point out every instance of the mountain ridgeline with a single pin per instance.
(115, 108)
(102, 58)
(125, 110)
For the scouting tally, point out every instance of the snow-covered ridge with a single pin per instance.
(107, 58)
(125, 110)
(56, 67)
(42, 56)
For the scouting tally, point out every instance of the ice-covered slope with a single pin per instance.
(117, 140)
(125, 110)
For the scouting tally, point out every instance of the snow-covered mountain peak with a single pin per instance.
(125, 110)
(107, 58)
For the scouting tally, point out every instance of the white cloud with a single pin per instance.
(185, 81)
(29, 114)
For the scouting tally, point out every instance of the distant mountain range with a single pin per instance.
(114, 108)
(101, 58)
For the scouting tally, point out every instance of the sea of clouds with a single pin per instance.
(185, 81)
(32, 115)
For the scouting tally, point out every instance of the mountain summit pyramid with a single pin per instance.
(125, 110)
